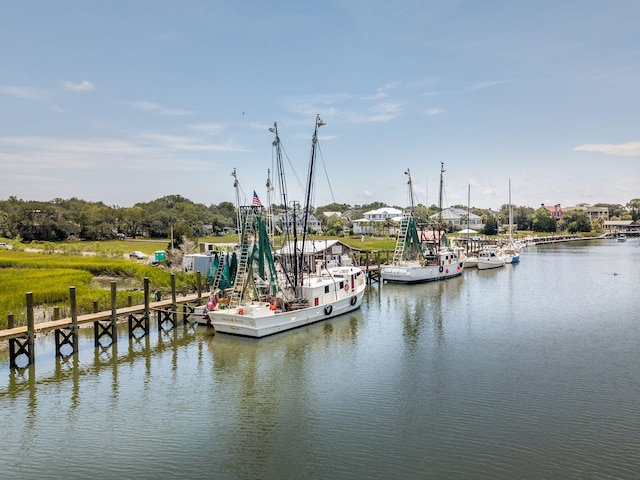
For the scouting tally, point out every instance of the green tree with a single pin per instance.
(577, 221)
(490, 225)
(542, 221)
(335, 225)
(634, 209)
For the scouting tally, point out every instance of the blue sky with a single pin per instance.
(125, 102)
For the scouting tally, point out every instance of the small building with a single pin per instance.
(332, 252)
(628, 227)
(197, 262)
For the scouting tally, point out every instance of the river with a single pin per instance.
(531, 371)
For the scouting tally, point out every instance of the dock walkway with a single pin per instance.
(42, 327)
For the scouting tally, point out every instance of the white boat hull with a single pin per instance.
(331, 296)
(413, 272)
(472, 262)
(484, 264)
(258, 320)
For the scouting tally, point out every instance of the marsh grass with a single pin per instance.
(49, 276)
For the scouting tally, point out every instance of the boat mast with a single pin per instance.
(236, 186)
(442, 170)
(269, 201)
(286, 216)
(510, 212)
(411, 196)
(309, 194)
(468, 215)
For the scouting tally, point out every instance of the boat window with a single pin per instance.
(326, 289)
(341, 285)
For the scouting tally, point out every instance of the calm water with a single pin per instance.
(527, 372)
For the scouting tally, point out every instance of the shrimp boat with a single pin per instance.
(273, 293)
(418, 258)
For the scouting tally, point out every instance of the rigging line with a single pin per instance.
(326, 174)
(295, 174)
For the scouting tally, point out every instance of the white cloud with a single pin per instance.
(212, 128)
(29, 154)
(629, 149)
(489, 84)
(25, 93)
(83, 86)
(157, 108)
(433, 111)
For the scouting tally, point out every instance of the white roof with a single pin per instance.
(387, 210)
(310, 246)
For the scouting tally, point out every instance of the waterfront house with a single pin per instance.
(556, 211)
(378, 221)
(458, 218)
(628, 227)
(591, 211)
(313, 224)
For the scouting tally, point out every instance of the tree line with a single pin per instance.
(65, 219)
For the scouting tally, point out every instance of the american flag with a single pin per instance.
(256, 200)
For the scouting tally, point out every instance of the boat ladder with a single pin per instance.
(246, 248)
(401, 239)
(218, 275)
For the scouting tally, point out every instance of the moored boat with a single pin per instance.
(419, 258)
(272, 293)
(490, 257)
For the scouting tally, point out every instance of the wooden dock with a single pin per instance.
(43, 327)
(105, 324)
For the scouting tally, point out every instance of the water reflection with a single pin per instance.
(269, 389)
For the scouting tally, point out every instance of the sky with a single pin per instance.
(124, 102)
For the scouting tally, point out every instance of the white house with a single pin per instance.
(332, 214)
(458, 218)
(313, 224)
(374, 220)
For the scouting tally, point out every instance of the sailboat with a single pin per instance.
(472, 260)
(273, 293)
(511, 250)
(417, 259)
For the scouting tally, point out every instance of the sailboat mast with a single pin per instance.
(442, 170)
(468, 214)
(510, 211)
